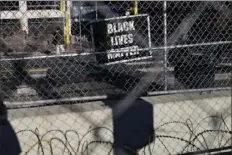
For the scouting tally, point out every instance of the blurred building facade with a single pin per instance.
(30, 16)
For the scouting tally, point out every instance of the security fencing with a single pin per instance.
(186, 45)
(72, 51)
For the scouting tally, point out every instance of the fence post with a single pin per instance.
(61, 6)
(165, 44)
(135, 7)
(67, 22)
(23, 18)
(80, 22)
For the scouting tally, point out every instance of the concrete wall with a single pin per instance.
(194, 108)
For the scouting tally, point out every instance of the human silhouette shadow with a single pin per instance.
(134, 129)
(9, 144)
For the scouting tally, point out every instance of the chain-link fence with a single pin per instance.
(64, 52)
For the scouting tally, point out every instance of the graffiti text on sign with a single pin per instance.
(120, 27)
(122, 39)
(126, 51)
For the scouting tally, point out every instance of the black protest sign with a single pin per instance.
(121, 38)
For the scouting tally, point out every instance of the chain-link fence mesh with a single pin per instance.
(65, 53)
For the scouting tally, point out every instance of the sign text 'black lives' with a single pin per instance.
(121, 39)
(118, 38)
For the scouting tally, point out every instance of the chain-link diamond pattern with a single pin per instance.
(71, 73)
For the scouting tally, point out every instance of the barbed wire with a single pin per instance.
(134, 87)
(84, 145)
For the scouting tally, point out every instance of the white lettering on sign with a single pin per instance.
(120, 27)
(125, 38)
(127, 51)
(122, 39)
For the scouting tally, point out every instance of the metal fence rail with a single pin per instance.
(193, 38)
(72, 51)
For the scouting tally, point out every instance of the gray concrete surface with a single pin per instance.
(167, 108)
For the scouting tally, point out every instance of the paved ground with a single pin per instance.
(167, 111)
(64, 77)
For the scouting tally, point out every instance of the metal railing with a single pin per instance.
(58, 57)
(172, 44)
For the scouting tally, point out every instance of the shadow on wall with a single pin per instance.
(9, 144)
(134, 129)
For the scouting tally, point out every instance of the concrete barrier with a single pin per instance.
(92, 122)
